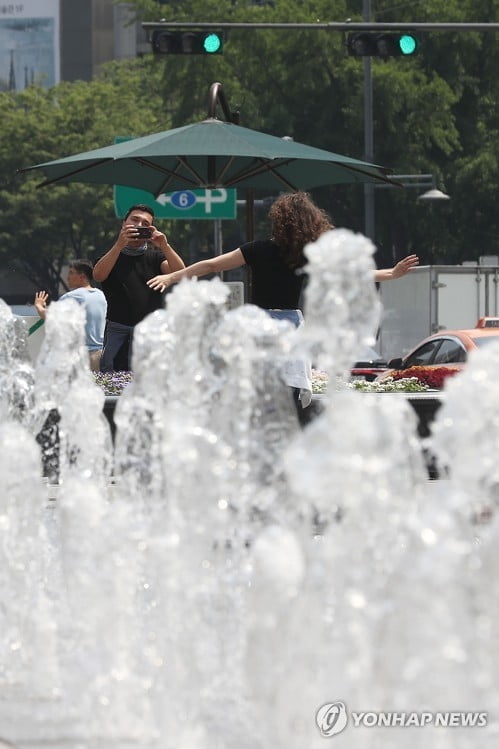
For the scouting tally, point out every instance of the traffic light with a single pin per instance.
(369, 44)
(166, 42)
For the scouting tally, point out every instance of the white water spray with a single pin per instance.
(240, 572)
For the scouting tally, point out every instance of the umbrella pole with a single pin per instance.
(250, 215)
(250, 235)
(217, 236)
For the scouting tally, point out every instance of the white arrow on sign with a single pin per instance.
(209, 198)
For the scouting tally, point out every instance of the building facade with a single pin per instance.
(93, 32)
(43, 42)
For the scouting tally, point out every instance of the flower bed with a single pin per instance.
(319, 381)
(434, 377)
(390, 385)
(412, 380)
(113, 383)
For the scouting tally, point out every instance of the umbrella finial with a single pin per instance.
(217, 95)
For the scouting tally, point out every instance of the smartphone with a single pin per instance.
(144, 232)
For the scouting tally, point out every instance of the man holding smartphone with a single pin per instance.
(140, 252)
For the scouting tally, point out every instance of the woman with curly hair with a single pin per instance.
(277, 276)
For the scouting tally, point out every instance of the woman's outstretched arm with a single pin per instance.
(218, 264)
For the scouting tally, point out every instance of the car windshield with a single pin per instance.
(485, 339)
(368, 354)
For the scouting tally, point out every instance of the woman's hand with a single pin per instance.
(159, 283)
(41, 302)
(404, 266)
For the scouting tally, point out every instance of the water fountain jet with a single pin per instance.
(239, 572)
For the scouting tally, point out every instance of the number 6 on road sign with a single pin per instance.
(183, 199)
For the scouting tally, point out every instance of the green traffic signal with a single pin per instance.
(408, 44)
(375, 44)
(173, 42)
(212, 43)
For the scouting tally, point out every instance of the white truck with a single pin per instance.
(432, 298)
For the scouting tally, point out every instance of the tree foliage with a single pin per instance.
(40, 229)
(434, 113)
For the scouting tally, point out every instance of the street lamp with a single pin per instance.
(434, 194)
(418, 181)
(407, 180)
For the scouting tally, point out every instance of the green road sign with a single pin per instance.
(183, 204)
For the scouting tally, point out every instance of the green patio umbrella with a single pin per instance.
(210, 154)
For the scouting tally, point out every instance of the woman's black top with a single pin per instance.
(274, 285)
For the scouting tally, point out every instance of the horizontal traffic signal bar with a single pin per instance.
(367, 44)
(490, 27)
